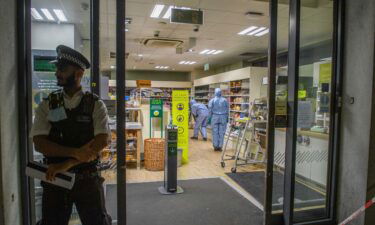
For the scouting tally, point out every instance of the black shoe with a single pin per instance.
(194, 138)
(216, 149)
(219, 149)
(204, 139)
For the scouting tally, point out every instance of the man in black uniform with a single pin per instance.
(70, 129)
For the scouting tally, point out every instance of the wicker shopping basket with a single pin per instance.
(154, 154)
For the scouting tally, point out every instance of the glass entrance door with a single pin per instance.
(305, 92)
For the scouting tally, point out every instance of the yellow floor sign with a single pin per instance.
(180, 115)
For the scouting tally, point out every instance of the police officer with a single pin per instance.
(219, 109)
(70, 129)
(200, 113)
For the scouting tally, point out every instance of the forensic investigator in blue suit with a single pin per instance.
(219, 110)
(200, 113)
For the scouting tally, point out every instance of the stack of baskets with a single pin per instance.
(154, 154)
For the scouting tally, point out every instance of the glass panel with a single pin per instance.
(280, 107)
(107, 49)
(53, 23)
(313, 128)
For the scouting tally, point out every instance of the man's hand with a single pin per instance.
(86, 153)
(53, 169)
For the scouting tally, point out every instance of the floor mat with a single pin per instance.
(204, 202)
(254, 184)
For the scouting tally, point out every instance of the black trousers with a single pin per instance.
(88, 196)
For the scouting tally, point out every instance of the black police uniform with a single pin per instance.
(75, 131)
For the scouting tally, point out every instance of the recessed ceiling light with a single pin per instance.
(211, 52)
(218, 52)
(113, 67)
(60, 15)
(247, 30)
(157, 67)
(140, 55)
(204, 51)
(168, 13)
(48, 14)
(126, 29)
(36, 14)
(257, 31)
(262, 33)
(187, 62)
(156, 11)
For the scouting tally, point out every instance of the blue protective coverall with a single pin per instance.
(200, 113)
(219, 110)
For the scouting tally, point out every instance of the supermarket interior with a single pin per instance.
(172, 60)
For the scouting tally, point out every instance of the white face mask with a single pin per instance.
(57, 114)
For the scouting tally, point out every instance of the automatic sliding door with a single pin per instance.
(314, 112)
(311, 107)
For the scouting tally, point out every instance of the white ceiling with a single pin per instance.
(223, 19)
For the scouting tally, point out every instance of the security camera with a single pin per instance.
(156, 33)
(196, 28)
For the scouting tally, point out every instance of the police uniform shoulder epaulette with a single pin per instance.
(89, 100)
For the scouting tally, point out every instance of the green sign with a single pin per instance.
(187, 16)
(156, 108)
(206, 67)
(44, 65)
(156, 111)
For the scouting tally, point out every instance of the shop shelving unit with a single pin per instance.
(201, 94)
(238, 98)
(133, 138)
(240, 87)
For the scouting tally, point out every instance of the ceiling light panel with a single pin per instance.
(211, 52)
(47, 14)
(263, 33)
(161, 67)
(36, 15)
(60, 15)
(157, 11)
(168, 13)
(247, 30)
(187, 62)
(257, 31)
(204, 51)
(218, 52)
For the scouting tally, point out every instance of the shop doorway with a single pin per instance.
(281, 74)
